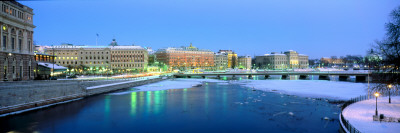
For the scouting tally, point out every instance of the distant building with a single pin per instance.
(329, 61)
(220, 61)
(101, 59)
(128, 58)
(184, 58)
(244, 62)
(287, 60)
(16, 44)
(232, 58)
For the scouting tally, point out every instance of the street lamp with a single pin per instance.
(52, 70)
(376, 109)
(389, 86)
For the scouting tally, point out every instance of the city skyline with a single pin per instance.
(318, 29)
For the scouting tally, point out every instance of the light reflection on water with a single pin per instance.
(211, 108)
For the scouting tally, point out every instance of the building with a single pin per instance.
(287, 60)
(16, 44)
(232, 58)
(45, 67)
(220, 61)
(100, 59)
(329, 61)
(244, 62)
(185, 58)
(81, 58)
(128, 58)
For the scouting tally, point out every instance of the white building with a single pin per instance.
(287, 60)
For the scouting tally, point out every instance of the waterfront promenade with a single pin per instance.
(16, 96)
(359, 115)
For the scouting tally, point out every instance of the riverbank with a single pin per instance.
(360, 115)
(217, 106)
(16, 96)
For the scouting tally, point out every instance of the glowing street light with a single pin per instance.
(376, 109)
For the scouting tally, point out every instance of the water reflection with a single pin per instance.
(148, 102)
(184, 100)
(133, 103)
(107, 104)
(213, 107)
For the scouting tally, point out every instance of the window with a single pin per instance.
(4, 42)
(29, 46)
(13, 43)
(19, 44)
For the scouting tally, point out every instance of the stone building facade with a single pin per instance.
(287, 60)
(77, 56)
(220, 61)
(16, 41)
(128, 58)
(185, 58)
(232, 58)
(100, 58)
(244, 62)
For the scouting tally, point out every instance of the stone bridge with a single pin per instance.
(343, 75)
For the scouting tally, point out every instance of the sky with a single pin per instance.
(317, 28)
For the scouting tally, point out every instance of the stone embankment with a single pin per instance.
(15, 96)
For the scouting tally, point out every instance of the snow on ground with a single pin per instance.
(170, 84)
(310, 88)
(360, 115)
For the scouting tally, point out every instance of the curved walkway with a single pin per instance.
(360, 114)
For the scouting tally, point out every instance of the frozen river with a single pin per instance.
(214, 107)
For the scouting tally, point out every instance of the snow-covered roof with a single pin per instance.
(95, 47)
(275, 54)
(126, 47)
(50, 65)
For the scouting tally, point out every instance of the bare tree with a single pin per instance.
(389, 49)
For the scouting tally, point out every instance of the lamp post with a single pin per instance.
(390, 86)
(376, 109)
(52, 70)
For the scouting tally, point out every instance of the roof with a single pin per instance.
(50, 65)
(126, 47)
(94, 47)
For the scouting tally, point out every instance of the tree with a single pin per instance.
(389, 49)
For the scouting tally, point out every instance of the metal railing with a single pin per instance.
(345, 122)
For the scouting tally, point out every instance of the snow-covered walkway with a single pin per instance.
(360, 115)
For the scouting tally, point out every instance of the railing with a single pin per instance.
(350, 128)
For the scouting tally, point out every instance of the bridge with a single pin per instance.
(324, 75)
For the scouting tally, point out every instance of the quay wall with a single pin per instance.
(16, 96)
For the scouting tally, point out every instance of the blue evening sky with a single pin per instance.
(318, 28)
